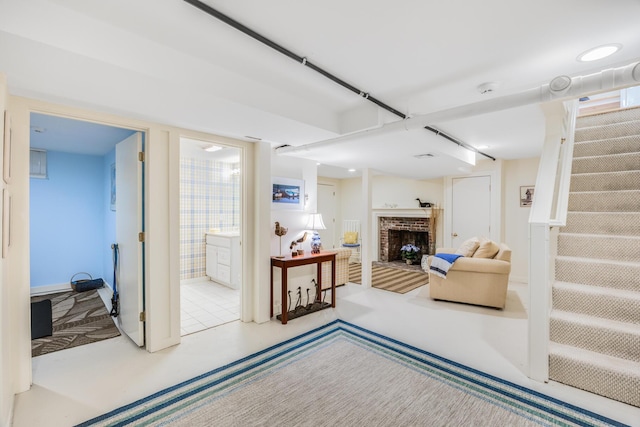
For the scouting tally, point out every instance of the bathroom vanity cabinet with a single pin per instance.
(223, 258)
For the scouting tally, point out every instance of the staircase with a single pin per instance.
(595, 319)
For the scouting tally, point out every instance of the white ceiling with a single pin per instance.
(165, 60)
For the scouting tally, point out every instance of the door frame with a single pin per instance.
(161, 219)
(246, 301)
(496, 203)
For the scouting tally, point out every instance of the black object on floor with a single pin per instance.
(41, 319)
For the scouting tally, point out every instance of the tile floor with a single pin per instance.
(205, 304)
(494, 341)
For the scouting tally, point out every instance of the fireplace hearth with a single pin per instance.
(394, 232)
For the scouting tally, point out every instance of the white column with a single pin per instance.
(366, 228)
(259, 214)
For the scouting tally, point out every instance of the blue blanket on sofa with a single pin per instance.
(441, 263)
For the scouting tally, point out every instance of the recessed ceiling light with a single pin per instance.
(482, 147)
(318, 163)
(352, 170)
(424, 156)
(255, 138)
(213, 148)
(599, 52)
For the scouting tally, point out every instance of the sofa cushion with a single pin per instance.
(351, 237)
(468, 247)
(487, 249)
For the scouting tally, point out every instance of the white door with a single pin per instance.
(470, 208)
(327, 208)
(128, 225)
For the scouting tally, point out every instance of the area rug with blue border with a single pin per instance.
(342, 374)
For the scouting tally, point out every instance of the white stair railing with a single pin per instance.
(549, 209)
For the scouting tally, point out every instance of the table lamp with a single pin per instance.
(315, 223)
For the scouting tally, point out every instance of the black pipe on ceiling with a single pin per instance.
(302, 60)
(456, 141)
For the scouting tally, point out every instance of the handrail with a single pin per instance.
(559, 217)
(549, 209)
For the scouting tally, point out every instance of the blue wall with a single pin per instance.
(69, 222)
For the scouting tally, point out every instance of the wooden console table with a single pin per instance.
(288, 261)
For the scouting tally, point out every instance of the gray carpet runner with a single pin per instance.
(595, 320)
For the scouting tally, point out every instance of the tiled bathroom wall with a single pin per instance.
(209, 199)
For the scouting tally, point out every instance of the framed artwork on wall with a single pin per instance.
(287, 193)
(526, 195)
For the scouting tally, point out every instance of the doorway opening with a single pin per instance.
(210, 235)
(73, 222)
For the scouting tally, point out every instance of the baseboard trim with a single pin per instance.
(519, 279)
(56, 288)
(50, 289)
(194, 280)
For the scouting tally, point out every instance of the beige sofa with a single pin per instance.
(342, 268)
(480, 281)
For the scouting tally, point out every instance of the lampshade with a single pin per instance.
(315, 222)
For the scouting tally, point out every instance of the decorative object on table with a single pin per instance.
(280, 231)
(294, 243)
(433, 226)
(287, 193)
(423, 204)
(314, 224)
(409, 253)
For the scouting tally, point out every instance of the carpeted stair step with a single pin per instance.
(613, 223)
(605, 201)
(616, 248)
(606, 181)
(600, 119)
(603, 273)
(604, 336)
(602, 147)
(612, 130)
(608, 303)
(608, 163)
(607, 376)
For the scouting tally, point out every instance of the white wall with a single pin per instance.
(388, 191)
(515, 218)
(295, 221)
(350, 200)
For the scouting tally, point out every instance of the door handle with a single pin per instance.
(454, 234)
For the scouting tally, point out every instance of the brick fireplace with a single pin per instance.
(394, 232)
